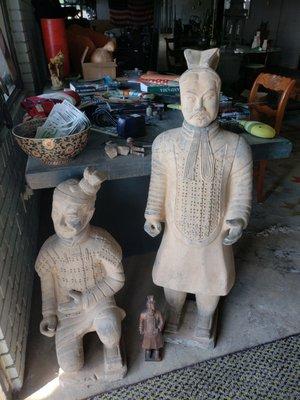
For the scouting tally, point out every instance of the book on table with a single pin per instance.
(159, 89)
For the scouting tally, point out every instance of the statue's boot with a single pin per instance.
(173, 320)
(112, 359)
(147, 355)
(156, 355)
(175, 301)
(207, 318)
(205, 325)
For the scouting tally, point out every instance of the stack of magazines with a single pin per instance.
(89, 88)
(63, 120)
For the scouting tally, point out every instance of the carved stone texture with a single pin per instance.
(186, 334)
(201, 188)
(80, 270)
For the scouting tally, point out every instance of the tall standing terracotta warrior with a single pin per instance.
(80, 269)
(201, 183)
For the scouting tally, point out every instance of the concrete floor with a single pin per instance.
(263, 305)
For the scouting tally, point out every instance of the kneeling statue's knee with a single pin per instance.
(69, 365)
(70, 359)
(109, 331)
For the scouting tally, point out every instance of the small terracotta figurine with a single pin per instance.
(80, 268)
(56, 69)
(151, 326)
(201, 188)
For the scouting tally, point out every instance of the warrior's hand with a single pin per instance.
(48, 325)
(153, 228)
(141, 329)
(75, 305)
(235, 231)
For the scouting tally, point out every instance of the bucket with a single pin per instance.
(55, 40)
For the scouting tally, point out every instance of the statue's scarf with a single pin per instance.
(199, 145)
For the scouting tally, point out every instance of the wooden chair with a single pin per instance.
(265, 113)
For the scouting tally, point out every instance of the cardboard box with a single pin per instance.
(93, 71)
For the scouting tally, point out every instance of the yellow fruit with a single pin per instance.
(258, 129)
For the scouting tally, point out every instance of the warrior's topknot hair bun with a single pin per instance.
(85, 190)
(91, 181)
(204, 61)
(202, 58)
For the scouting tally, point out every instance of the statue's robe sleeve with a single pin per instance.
(155, 210)
(44, 267)
(160, 321)
(110, 261)
(141, 323)
(240, 184)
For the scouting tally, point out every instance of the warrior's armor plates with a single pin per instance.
(95, 271)
(198, 181)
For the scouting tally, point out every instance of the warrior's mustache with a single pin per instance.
(200, 110)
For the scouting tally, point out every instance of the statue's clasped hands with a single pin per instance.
(48, 324)
(75, 305)
(236, 227)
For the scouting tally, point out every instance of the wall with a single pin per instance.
(261, 11)
(283, 17)
(18, 213)
(289, 33)
(28, 44)
(18, 235)
(185, 9)
(102, 9)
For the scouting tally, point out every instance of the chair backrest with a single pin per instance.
(276, 83)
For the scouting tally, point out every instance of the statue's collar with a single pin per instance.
(191, 131)
(80, 238)
(199, 141)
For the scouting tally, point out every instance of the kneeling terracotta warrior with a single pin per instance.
(151, 325)
(80, 269)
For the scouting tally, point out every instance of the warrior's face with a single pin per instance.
(69, 217)
(199, 93)
(151, 305)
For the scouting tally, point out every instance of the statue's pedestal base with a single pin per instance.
(92, 378)
(151, 357)
(186, 333)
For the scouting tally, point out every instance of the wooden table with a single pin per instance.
(40, 176)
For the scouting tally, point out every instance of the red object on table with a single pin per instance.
(41, 106)
(55, 40)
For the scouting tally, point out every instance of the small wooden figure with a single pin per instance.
(151, 326)
(56, 68)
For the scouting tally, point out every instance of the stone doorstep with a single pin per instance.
(185, 336)
(92, 378)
